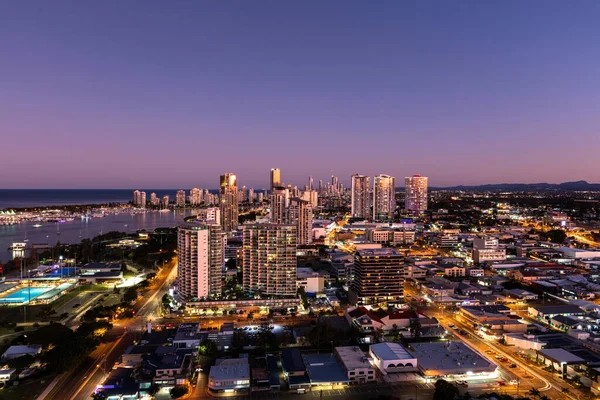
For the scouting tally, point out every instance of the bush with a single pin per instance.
(178, 391)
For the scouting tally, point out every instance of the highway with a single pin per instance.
(79, 383)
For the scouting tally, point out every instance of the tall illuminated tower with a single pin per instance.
(384, 198)
(416, 194)
(360, 196)
(228, 202)
(275, 178)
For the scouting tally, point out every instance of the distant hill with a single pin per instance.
(565, 186)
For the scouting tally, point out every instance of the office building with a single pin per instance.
(279, 200)
(195, 196)
(361, 206)
(275, 178)
(269, 259)
(384, 198)
(378, 277)
(228, 202)
(416, 194)
(200, 260)
(300, 214)
(180, 198)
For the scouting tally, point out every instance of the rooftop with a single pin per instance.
(558, 309)
(390, 351)
(230, 369)
(449, 357)
(324, 368)
(561, 355)
(378, 252)
(352, 357)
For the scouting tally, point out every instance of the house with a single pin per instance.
(22, 350)
(170, 365)
(369, 321)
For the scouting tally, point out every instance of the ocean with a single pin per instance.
(31, 198)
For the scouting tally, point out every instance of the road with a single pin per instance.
(528, 374)
(80, 383)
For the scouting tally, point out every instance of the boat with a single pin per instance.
(37, 225)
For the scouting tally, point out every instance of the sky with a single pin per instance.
(126, 94)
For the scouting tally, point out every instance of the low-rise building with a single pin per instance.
(450, 358)
(311, 281)
(392, 357)
(488, 255)
(229, 375)
(356, 364)
(546, 313)
(21, 350)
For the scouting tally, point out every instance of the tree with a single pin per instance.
(45, 312)
(178, 391)
(556, 235)
(445, 390)
(239, 340)
(415, 328)
(130, 295)
(208, 348)
(98, 396)
(533, 392)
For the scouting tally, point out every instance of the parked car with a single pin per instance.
(512, 366)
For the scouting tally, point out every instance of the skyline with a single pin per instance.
(125, 96)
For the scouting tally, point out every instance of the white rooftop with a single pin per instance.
(390, 351)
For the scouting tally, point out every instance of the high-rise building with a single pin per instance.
(416, 194)
(200, 260)
(300, 214)
(275, 178)
(312, 197)
(180, 198)
(384, 198)
(378, 277)
(269, 259)
(279, 201)
(209, 214)
(310, 183)
(228, 202)
(139, 198)
(154, 200)
(361, 207)
(195, 196)
(165, 201)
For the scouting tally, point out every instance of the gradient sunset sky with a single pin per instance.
(126, 94)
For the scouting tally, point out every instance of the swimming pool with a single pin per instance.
(25, 294)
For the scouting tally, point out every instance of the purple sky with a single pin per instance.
(123, 94)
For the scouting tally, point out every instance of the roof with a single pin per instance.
(352, 357)
(21, 350)
(378, 252)
(390, 351)
(561, 355)
(449, 358)
(230, 368)
(324, 368)
(291, 360)
(558, 309)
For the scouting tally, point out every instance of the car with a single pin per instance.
(451, 326)
(501, 383)
(76, 305)
(462, 383)
(512, 366)
(513, 382)
(489, 352)
(499, 357)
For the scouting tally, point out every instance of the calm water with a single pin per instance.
(75, 231)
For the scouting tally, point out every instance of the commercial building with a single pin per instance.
(310, 280)
(300, 214)
(275, 178)
(416, 194)
(485, 243)
(391, 236)
(378, 277)
(548, 312)
(228, 202)
(229, 376)
(450, 358)
(384, 198)
(488, 255)
(360, 203)
(356, 363)
(269, 259)
(392, 357)
(19, 351)
(200, 255)
(447, 241)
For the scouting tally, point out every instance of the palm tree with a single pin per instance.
(544, 397)
(533, 392)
